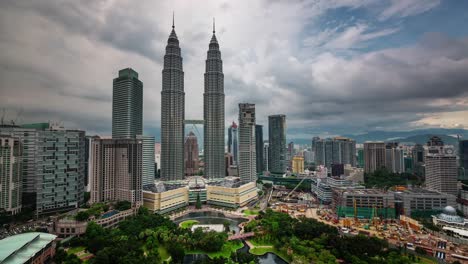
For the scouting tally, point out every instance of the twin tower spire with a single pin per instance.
(173, 112)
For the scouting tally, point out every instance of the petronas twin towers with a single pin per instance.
(173, 112)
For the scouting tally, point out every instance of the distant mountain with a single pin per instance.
(419, 136)
(422, 139)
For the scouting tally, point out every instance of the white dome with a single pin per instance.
(449, 210)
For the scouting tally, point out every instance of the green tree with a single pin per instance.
(82, 216)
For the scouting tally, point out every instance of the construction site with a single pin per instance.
(370, 212)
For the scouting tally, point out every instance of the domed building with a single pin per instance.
(448, 220)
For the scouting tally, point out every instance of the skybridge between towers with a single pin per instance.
(193, 123)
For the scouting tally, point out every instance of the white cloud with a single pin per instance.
(405, 8)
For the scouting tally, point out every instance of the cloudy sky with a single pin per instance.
(333, 67)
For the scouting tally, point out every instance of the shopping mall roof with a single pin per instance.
(20, 248)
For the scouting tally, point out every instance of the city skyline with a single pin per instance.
(318, 40)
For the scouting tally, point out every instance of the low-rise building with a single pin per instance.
(33, 247)
(231, 193)
(421, 200)
(364, 203)
(164, 197)
(448, 220)
(66, 225)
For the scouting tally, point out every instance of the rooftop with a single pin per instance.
(20, 248)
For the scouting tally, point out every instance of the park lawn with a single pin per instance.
(228, 248)
(75, 250)
(426, 260)
(188, 224)
(261, 244)
(250, 212)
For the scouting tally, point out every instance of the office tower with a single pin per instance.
(172, 112)
(308, 156)
(418, 154)
(374, 156)
(298, 164)
(191, 154)
(60, 165)
(10, 174)
(266, 146)
(360, 158)
(319, 148)
(259, 147)
(233, 145)
(394, 158)
(227, 162)
(441, 167)
(247, 157)
(338, 150)
(314, 143)
(116, 170)
(28, 139)
(290, 152)
(277, 144)
(463, 155)
(213, 112)
(147, 147)
(127, 105)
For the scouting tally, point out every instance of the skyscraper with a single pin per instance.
(116, 170)
(172, 112)
(266, 146)
(127, 105)
(60, 165)
(259, 147)
(463, 154)
(374, 156)
(394, 158)
(191, 154)
(418, 159)
(233, 145)
(10, 174)
(338, 150)
(213, 112)
(277, 139)
(247, 157)
(147, 147)
(441, 167)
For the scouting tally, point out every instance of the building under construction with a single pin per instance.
(364, 203)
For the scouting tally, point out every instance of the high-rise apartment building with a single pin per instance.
(233, 145)
(277, 144)
(28, 138)
(290, 153)
(360, 158)
(259, 147)
(60, 165)
(394, 158)
(374, 156)
(172, 112)
(147, 147)
(213, 112)
(127, 105)
(191, 155)
(116, 170)
(298, 164)
(10, 174)
(441, 167)
(52, 166)
(338, 150)
(247, 158)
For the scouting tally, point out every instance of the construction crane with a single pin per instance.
(289, 194)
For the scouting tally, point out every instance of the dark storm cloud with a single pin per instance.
(59, 58)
